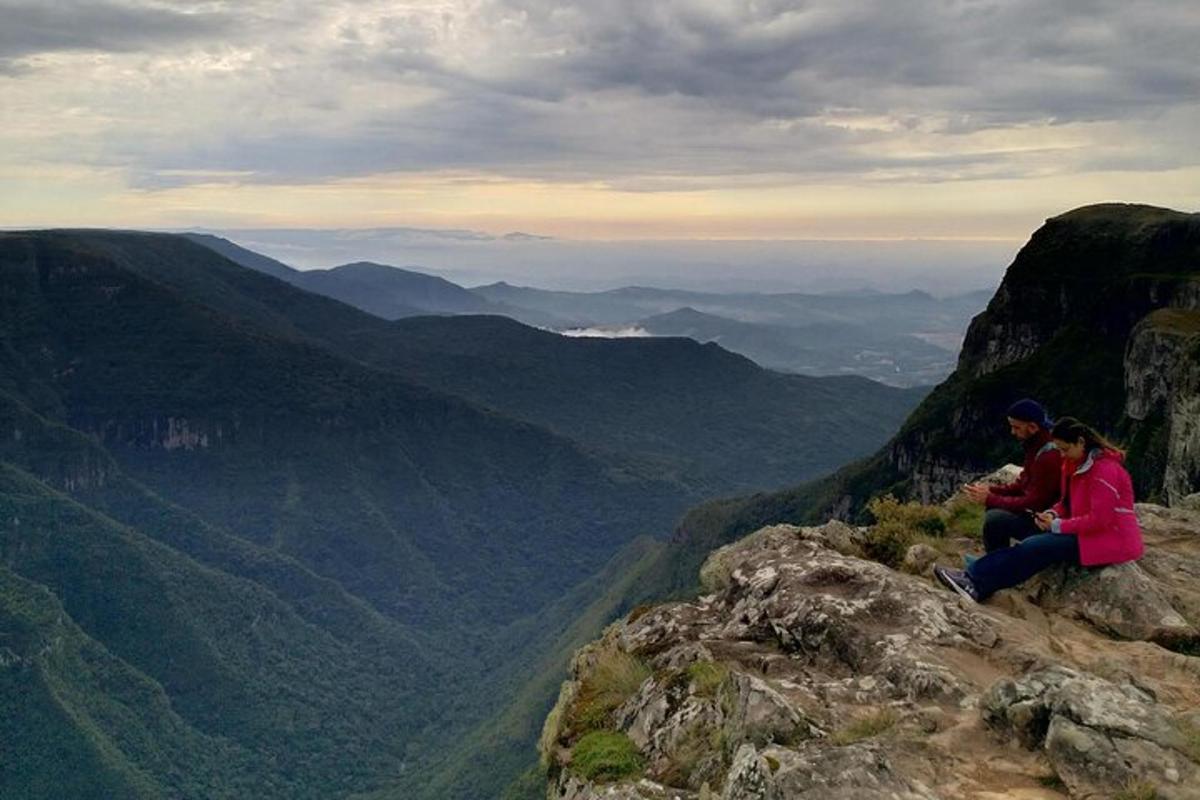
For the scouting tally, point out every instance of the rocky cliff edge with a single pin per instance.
(810, 671)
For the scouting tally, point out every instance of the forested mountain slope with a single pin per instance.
(247, 552)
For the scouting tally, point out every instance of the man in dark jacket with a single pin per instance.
(1010, 507)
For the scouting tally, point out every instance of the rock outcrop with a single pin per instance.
(807, 671)
(1096, 734)
(1162, 380)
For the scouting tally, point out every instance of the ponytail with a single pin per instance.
(1069, 429)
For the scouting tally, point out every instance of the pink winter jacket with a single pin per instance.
(1100, 495)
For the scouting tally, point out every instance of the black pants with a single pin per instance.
(1001, 527)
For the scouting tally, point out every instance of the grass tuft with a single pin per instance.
(870, 726)
(1191, 738)
(613, 680)
(1137, 790)
(706, 677)
(696, 757)
(606, 756)
(966, 519)
(898, 526)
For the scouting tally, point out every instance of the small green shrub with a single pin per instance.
(605, 756)
(921, 518)
(888, 542)
(706, 677)
(1137, 790)
(613, 680)
(898, 526)
(866, 727)
(772, 764)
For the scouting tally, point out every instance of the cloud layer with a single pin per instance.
(673, 95)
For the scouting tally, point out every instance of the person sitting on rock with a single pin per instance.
(1008, 516)
(1092, 525)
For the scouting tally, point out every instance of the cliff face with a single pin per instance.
(1095, 317)
(810, 672)
(1162, 384)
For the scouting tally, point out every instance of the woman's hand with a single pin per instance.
(1043, 520)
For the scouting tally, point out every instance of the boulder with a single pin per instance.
(846, 615)
(1096, 734)
(1005, 474)
(1121, 601)
(718, 567)
(860, 771)
(845, 539)
(919, 559)
(760, 715)
(1182, 520)
(749, 777)
(570, 787)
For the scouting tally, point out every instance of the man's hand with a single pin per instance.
(976, 492)
(1043, 520)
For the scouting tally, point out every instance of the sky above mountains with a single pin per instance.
(605, 119)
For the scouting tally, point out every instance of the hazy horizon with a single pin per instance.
(473, 258)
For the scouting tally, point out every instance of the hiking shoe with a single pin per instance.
(969, 559)
(959, 581)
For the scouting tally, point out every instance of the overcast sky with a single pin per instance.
(617, 119)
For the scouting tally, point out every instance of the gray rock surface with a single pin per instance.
(749, 777)
(857, 772)
(571, 788)
(1162, 375)
(919, 559)
(1122, 601)
(1097, 734)
(810, 672)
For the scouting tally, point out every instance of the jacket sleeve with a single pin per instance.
(1058, 508)
(1008, 489)
(1103, 496)
(1040, 489)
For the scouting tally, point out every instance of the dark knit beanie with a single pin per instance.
(1030, 411)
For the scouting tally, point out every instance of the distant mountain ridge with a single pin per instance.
(900, 339)
(739, 425)
(822, 348)
(380, 289)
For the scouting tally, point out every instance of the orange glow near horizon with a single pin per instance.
(952, 210)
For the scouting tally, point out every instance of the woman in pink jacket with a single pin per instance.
(1094, 523)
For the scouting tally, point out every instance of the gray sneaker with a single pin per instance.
(959, 581)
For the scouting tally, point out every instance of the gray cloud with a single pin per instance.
(639, 94)
(1013, 61)
(30, 28)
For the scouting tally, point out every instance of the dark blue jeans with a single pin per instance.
(1001, 527)
(1009, 566)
